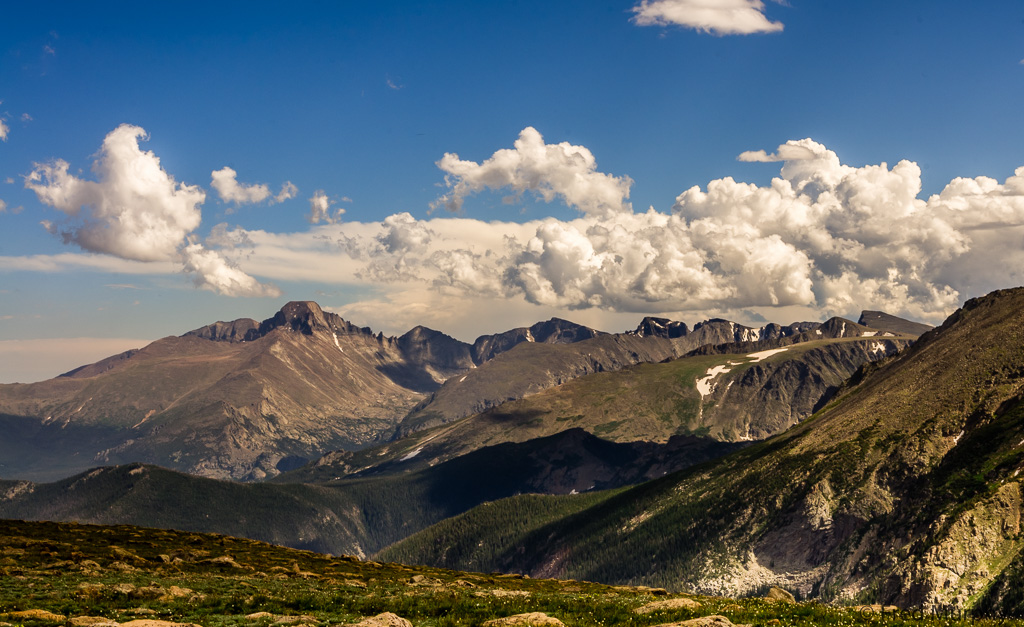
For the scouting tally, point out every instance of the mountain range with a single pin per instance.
(248, 400)
(841, 461)
(241, 399)
(592, 410)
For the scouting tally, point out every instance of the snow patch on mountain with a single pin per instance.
(766, 354)
(706, 385)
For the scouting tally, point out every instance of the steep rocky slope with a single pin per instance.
(229, 400)
(904, 490)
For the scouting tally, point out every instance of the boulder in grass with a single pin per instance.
(531, 619)
(176, 592)
(668, 604)
(714, 620)
(387, 619)
(151, 622)
(779, 595)
(40, 615)
(122, 555)
(224, 561)
(296, 620)
(92, 621)
(90, 590)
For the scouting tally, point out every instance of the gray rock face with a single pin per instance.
(769, 397)
(661, 327)
(431, 348)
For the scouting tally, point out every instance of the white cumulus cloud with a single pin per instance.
(821, 238)
(213, 272)
(550, 170)
(403, 233)
(320, 209)
(719, 17)
(225, 182)
(134, 210)
(4, 130)
(870, 240)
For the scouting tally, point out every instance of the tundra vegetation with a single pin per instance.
(86, 575)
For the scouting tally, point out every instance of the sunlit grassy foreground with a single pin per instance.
(83, 575)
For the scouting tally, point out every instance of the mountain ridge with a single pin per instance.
(753, 395)
(246, 399)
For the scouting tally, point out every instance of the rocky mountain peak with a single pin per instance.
(712, 322)
(559, 331)
(427, 346)
(660, 327)
(420, 333)
(840, 327)
(304, 316)
(307, 317)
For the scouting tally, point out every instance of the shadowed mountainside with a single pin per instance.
(355, 516)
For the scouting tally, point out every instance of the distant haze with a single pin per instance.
(26, 361)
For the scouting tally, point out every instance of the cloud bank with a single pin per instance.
(134, 210)
(719, 17)
(823, 236)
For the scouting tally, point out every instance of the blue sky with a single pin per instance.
(618, 107)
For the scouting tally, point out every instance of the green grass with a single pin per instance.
(77, 570)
